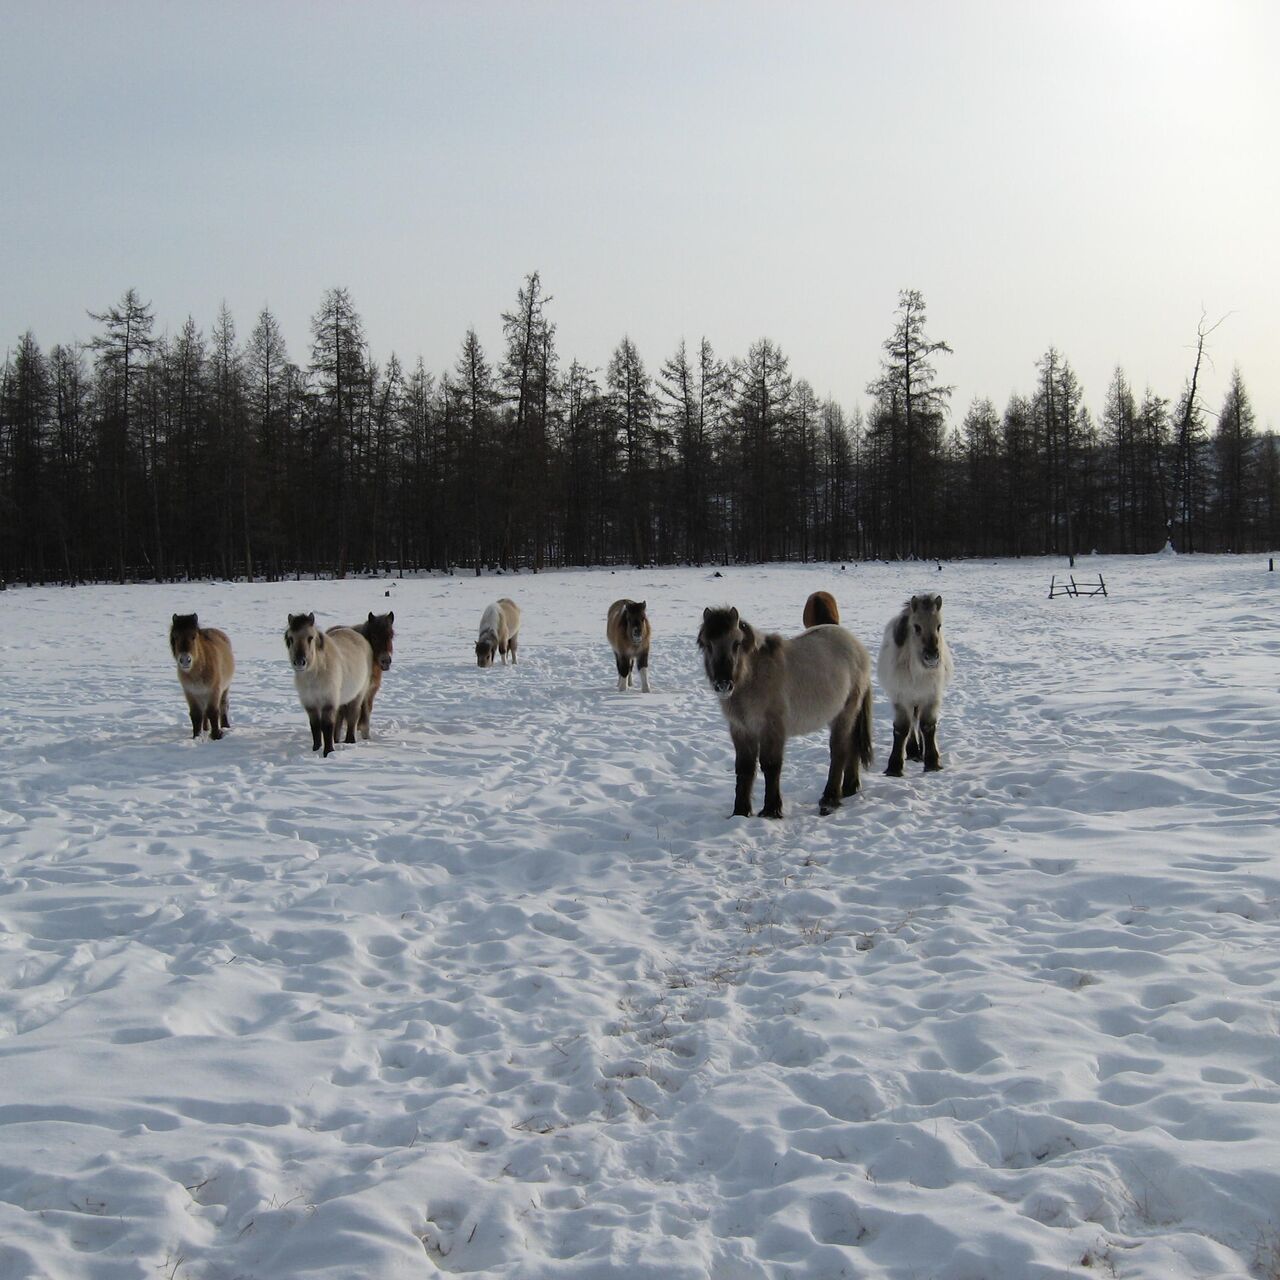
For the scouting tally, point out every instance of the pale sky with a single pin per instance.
(1086, 175)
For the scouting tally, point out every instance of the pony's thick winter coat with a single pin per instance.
(821, 608)
(205, 667)
(379, 631)
(914, 669)
(499, 632)
(772, 689)
(630, 635)
(331, 671)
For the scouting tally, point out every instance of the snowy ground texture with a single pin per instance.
(503, 992)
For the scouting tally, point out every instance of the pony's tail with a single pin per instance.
(862, 745)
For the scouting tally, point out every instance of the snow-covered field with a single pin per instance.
(503, 992)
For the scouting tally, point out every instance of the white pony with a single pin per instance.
(331, 671)
(914, 669)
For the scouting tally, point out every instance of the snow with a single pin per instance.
(503, 991)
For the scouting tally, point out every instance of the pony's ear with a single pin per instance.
(643, 605)
(900, 631)
(311, 619)
(734, 618)
(391, 617)
(937, 602)
(370, 615)
(915, 603)
(706, 615)
(175, 620)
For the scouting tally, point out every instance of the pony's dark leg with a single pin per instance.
(915, 748)
(746, 752)
(511, 649)
(214, 716)
(226, 724)
(197, 717)
(348, 715)
(326, 728)
(771, 747)
(841, 742)
(929, 731)
(642, 661)
(366, 710)
(901, 730)
(624, 669)
(314, 717)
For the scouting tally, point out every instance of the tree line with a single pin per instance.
(153, 455)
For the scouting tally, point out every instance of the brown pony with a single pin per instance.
(629, 635)
(821, 608)
(205, 668)
(771, 689)
(380, 634)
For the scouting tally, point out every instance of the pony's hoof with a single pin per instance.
(935, 767)
(215, 734)
(891, 772)
(741, 813)
(771, 813)
(827, 807)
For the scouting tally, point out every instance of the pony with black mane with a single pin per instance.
(205, 667)
(380, 633)
(772, 688)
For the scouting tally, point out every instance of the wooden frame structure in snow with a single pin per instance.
(1073, 588)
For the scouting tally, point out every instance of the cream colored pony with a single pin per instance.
(331, 671)
(772, 689)
(499, 632)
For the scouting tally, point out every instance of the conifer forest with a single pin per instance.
(144, 454)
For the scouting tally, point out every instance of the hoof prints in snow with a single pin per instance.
(502, 992)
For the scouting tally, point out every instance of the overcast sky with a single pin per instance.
(1086, 175)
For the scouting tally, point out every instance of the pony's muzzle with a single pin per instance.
(185, 662)
(723, 688)
(385, 662)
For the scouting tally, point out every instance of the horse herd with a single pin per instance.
(770, 687)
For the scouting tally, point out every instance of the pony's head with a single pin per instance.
(183, 636)
(633, 619)
(725, 641)
(303, 640)
(380, 634)
(924, 623)
(486, 647)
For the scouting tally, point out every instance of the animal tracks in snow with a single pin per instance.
(502, 992)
